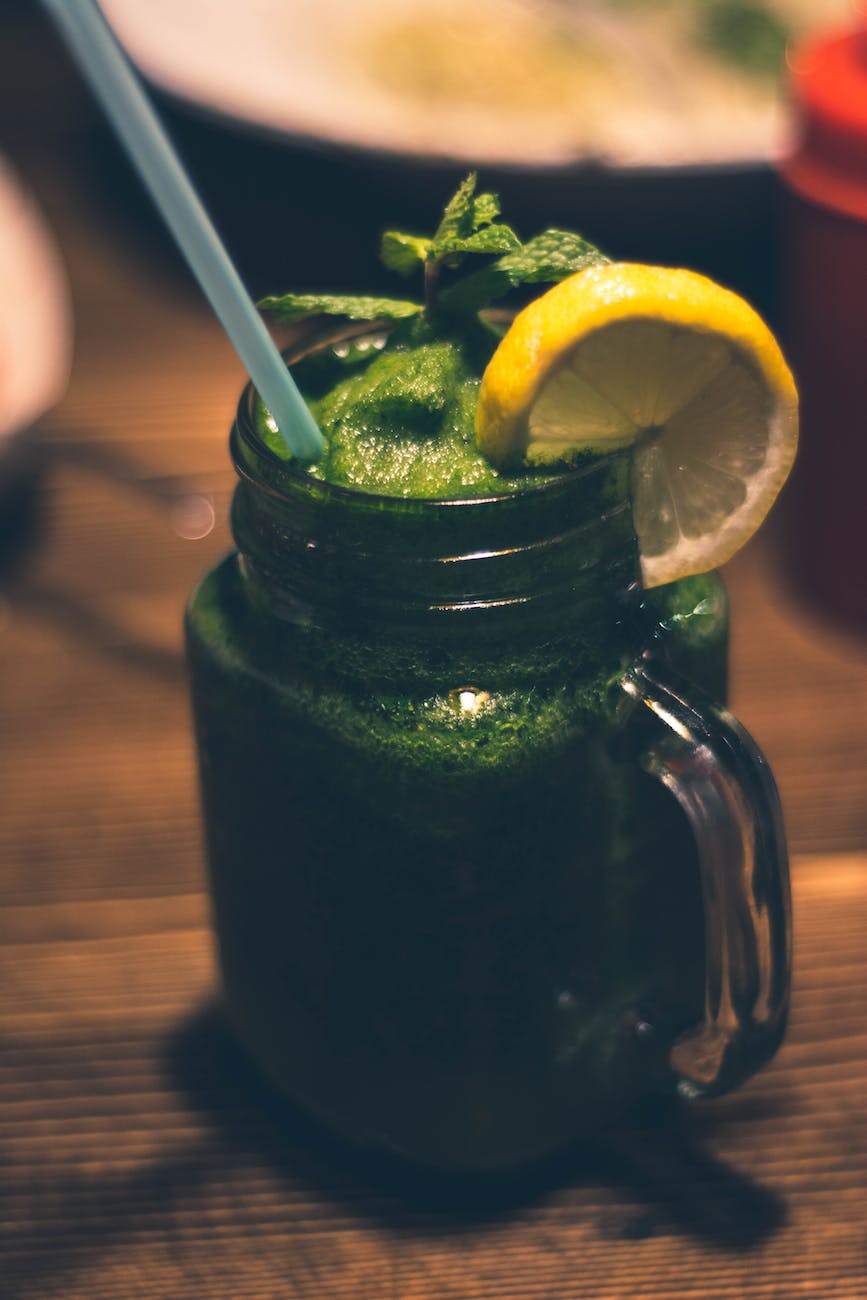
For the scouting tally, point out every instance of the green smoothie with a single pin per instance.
(398, 418)
(456, 918)
(444, 897)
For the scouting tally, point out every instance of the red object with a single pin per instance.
(828, 81)
(826, 291)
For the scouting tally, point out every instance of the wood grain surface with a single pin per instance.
(140, 1155)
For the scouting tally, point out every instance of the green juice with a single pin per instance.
(398, 419)
(456, 919)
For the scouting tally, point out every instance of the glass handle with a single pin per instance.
(722, 781)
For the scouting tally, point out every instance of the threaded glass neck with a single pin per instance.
(338, 554)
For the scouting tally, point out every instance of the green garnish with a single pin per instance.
(468, 230)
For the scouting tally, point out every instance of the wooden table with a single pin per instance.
(140, 1156)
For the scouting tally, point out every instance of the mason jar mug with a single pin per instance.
(490, 860)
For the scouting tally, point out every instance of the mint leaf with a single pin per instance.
(493, 239)
(403, 253)
(288, 307)
(486, 208)
(551, 256)
(458, 216)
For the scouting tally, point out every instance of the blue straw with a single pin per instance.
(116, 85)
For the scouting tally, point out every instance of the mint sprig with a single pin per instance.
(469, 228)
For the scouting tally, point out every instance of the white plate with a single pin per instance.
(35, 317)
(517, 82)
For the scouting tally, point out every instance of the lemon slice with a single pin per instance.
(670, 364)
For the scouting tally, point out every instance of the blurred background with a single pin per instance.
(650, 125)
(660, 129)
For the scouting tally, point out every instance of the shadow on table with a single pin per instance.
(656, 1163)
(21, 506)
(649, 1179)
